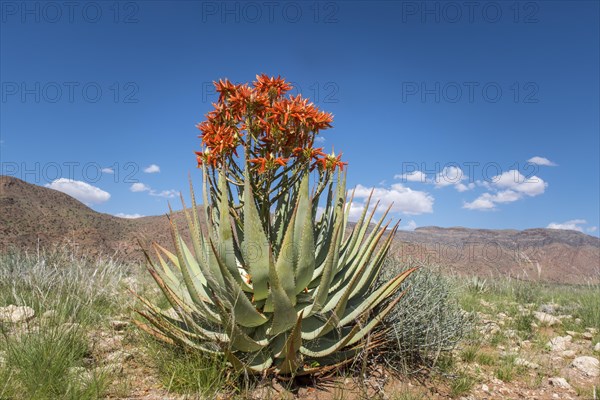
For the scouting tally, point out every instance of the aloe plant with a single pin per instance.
(273, 283)
(297, 311)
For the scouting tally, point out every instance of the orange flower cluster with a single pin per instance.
(273, 129)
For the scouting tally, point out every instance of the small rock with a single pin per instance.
(489, 328)
(119, 356)
(597, 347)
(546, 319)
(568, 354)
(485, 388)
(485, 303)
(588, 366)
(559, 383)
(16, 314)
(497, 381)
(109, 369)
(104, 342)
(119, 325)
(526, 364)
(572, 333)
(510, 333)
(578, 320)
(559, 343)
(593, 331)
(2, 358)
(549, 308)
(587, 335)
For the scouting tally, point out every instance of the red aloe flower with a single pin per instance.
(258, 117)
(260, 161)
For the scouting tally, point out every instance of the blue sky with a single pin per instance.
(481, 114)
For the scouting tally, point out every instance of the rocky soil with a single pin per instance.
(559, 359)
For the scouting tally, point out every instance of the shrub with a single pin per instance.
(426, 322)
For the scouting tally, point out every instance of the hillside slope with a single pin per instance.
(32, 215)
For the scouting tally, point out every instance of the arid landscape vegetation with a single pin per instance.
(476, 329)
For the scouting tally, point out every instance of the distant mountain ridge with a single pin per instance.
(32, 216)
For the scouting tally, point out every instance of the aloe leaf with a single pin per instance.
(324, 346)
(323, 288)
(255, 245)
(349, 270)
(361, 305)
(257, 365)
(238, 339)
(368, 278)
(244, 312)
(291, 361)
(226, 251)
(284, 314)
(376, 320)
(196, 229)
(286, 261)
(304, 239)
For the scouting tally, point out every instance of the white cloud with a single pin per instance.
(107, 170)
(592, 229)
(505, 196)
(542, 161)
(410, 226)
(483, 202)
(82, 191)
(450, 175)
(414, 176)
(514, 180)
(152, 169)
(142, 187)
(461, 187)
(487, 201)
(139, 187)
(129, 216)
(574, 225)
(403, 199)
(320, 139)
(164, 193)
(507, 187)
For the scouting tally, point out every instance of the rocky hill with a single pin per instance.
(33, 216)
